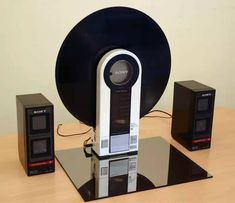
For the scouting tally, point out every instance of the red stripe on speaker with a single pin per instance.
(41, 163)
(201, 140)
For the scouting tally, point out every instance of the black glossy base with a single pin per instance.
(157, 164)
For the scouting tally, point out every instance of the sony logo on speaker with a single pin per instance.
(206, 95)
(39, 111)
(120, 72)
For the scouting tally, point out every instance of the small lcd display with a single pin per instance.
(39, 146)
(39, 122)
(203, 104)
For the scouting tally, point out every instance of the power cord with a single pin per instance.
(85, 143)
(85, 146)
(169, 116)
(70, 135)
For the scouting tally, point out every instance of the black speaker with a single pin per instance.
(35, 133)
(192, 118)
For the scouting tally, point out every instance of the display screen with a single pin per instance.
(39, 146)
(203, 104)
(39, 122)
(120, 113)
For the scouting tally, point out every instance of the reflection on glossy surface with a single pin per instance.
(113, 176)
(157, 164)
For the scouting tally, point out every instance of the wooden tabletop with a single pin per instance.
(15, 186)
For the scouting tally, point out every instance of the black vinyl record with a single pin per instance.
(95, 35)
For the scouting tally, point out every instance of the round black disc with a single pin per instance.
(95, 35)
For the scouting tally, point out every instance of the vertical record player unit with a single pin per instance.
(117, 103)
(111, 70)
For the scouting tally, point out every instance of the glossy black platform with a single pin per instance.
(157, 164)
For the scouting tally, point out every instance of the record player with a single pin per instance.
(111, 70)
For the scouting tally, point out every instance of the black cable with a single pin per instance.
(85, 146)
(164, 112)
(70, 135)
(85, 143)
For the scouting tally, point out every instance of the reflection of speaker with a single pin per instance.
(193, 107)
(35, 133)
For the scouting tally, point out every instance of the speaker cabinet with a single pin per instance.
(35, 133)
(193, 107)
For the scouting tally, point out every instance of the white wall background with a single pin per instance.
(201, 36)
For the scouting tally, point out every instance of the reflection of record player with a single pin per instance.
(111, 70)
(114, 176)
